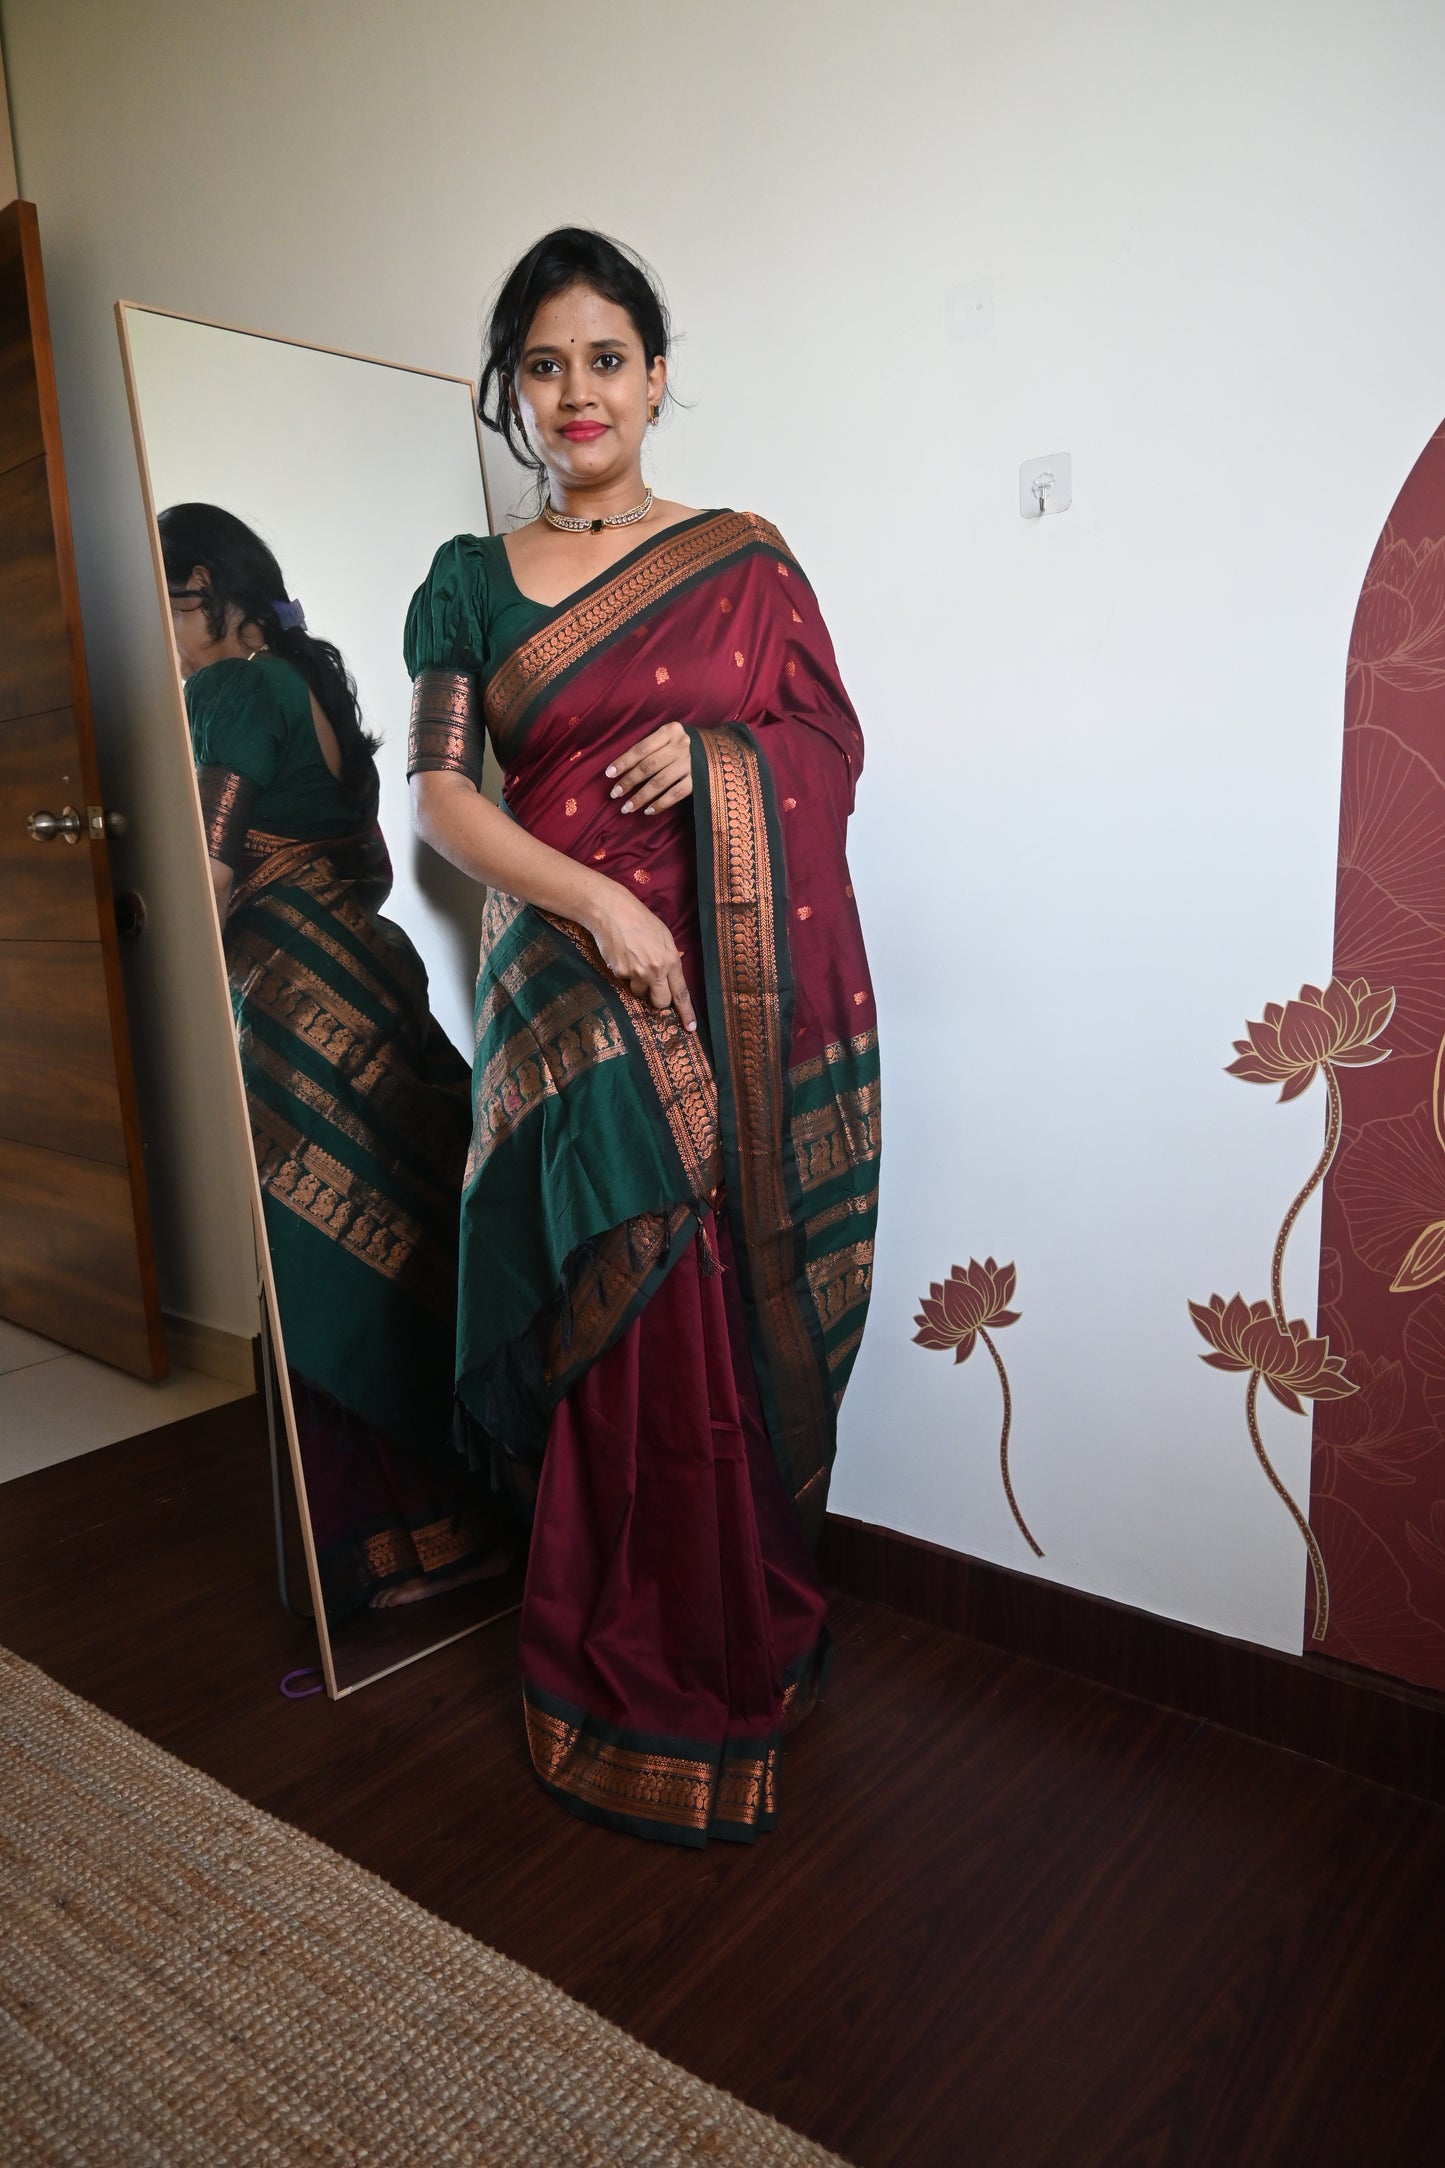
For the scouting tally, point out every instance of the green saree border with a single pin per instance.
(513, 1398)
(742, 906)
(587, 1274)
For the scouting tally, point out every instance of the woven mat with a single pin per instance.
(184, 1979)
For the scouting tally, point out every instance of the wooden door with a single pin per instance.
(76, 1261)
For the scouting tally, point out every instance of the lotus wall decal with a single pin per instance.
(1324, 1029)
(956, 1313)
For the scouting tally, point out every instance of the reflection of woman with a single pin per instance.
(668, 1215)
(357, 1101)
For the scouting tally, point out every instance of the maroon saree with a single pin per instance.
(667, 1240)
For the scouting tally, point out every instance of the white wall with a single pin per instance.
(1098, 826)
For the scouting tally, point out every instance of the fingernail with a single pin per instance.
(617, 790)
(628, 807)
(649, 809)
(692, 1027)
(610, 771)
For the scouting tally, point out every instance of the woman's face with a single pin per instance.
(196, 644)
(585, 387)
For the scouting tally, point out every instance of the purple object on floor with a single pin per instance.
(299, 1693)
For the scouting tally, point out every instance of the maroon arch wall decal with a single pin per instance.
(1377, 1495)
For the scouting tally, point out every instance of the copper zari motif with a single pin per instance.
(831, 1139)
(678, 1065)
(680, 1791)
(437, 1544)
(305, 1009)
(623, 1259)
(226, 802)
(445, 730)
(570, 1035)
(302, 1177)
(833, 1215)
(356, 923)
(841, 1280)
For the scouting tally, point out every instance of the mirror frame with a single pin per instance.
(268, 1307)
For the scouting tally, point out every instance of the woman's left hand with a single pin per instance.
(655, 773)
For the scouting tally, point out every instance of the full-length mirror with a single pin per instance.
(298, 495)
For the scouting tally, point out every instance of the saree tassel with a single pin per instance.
(712, 1264)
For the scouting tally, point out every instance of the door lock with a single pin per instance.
(45, 827)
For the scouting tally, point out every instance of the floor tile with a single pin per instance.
(56, 1408)
(18, 1348)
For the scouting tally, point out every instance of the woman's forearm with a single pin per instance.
(222, 882)
(479, 839)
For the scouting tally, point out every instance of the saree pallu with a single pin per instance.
(359, 1117)
(667, 1237)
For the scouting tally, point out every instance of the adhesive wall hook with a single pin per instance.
(1046, 485)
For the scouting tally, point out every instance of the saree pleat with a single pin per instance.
(666, 1237)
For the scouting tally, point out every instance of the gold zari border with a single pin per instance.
(445, 731)
(752, 1022)
(839, 1050)
(682, 1792)
(226, 802)
(427, 1549)
(639, 587)
(678, 1066)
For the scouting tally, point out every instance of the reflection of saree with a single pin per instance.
(357, 1104)
(667, 1239)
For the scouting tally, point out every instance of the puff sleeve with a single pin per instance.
(445, 650)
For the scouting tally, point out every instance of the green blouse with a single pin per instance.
(468, 610)
(258, 759)
(467, 614)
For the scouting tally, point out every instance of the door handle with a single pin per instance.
(45, 827)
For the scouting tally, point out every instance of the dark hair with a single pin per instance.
(245, 575)
(569, 256)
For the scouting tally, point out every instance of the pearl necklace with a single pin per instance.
(566, 524)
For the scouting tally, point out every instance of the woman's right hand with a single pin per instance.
(637, 946)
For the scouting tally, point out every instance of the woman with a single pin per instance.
(668, 1214)
(358, 1103)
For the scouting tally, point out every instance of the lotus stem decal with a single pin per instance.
(956, 1314)
(1334, 1029)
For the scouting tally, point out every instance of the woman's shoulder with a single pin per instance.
(463, 557)
(460, 569)
(446, 623)
(238, 685)
(241, 714)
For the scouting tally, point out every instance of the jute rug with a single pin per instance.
(184, 1980)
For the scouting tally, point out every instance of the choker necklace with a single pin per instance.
(566, 524)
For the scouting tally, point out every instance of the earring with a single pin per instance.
(652, 415)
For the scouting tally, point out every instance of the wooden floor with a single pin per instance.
(1008, 1918)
